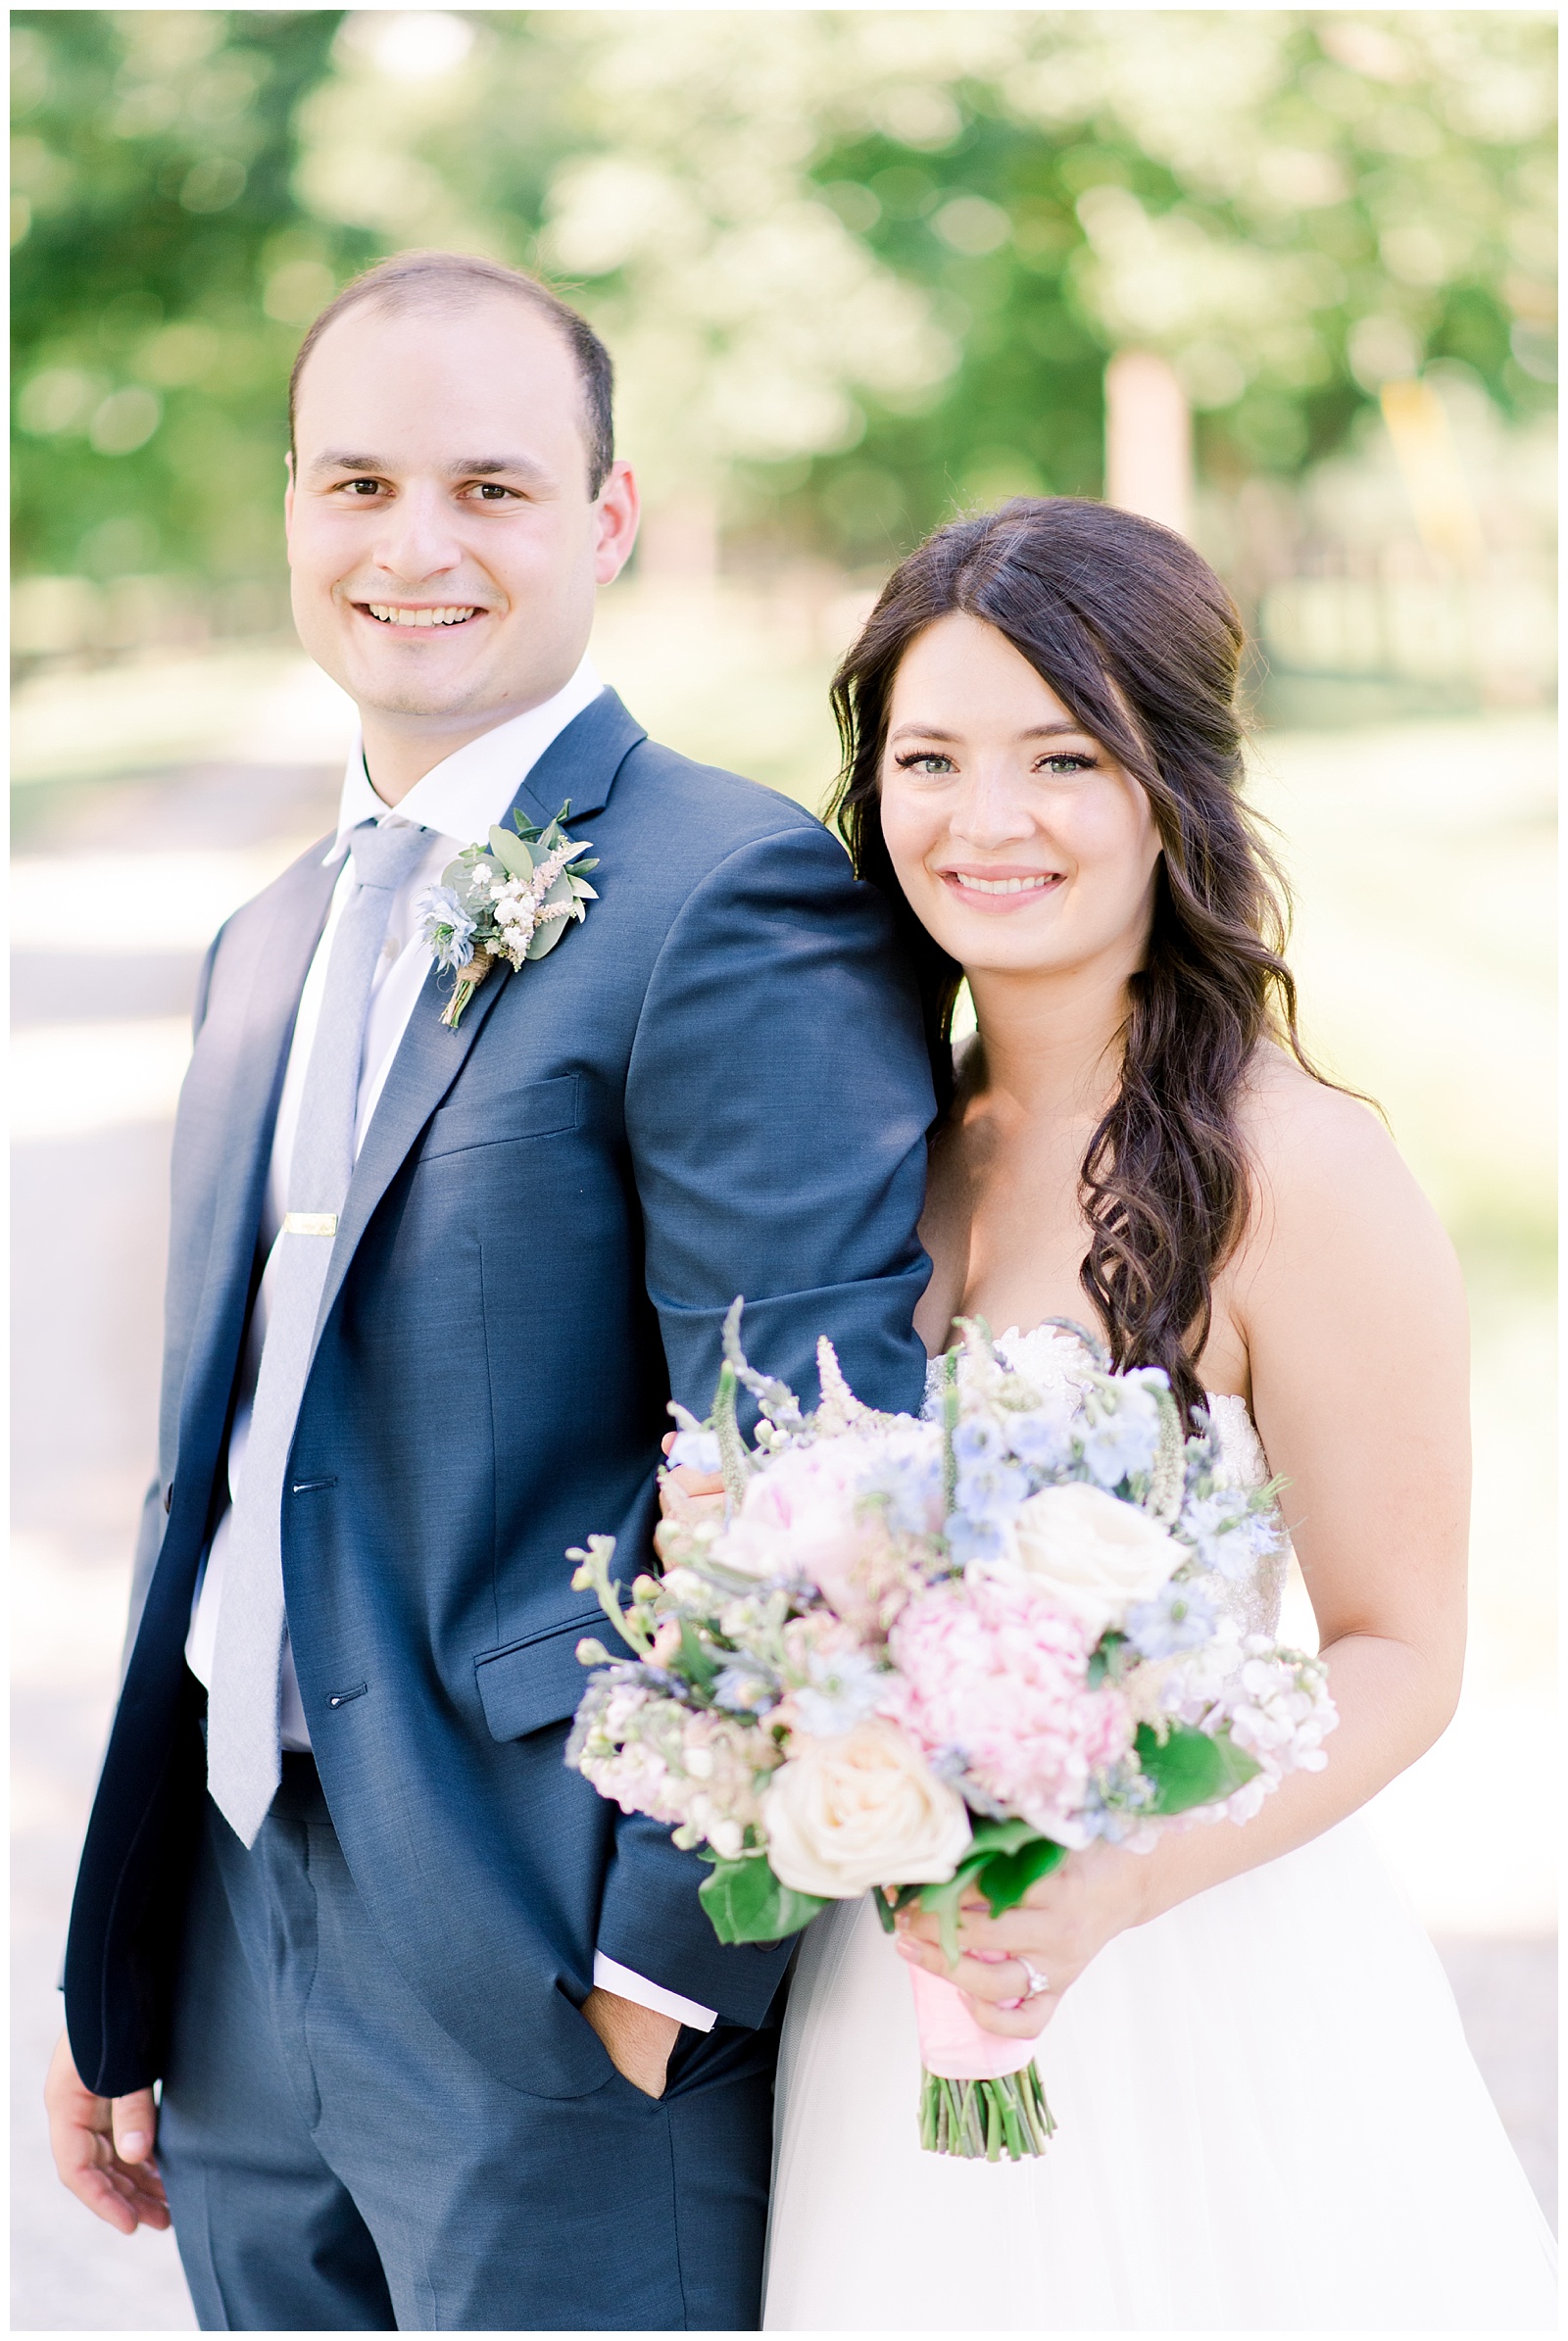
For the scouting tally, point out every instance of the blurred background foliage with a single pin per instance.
(857, 269)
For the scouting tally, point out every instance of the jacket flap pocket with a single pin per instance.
(487, 1117)
(537, 1682)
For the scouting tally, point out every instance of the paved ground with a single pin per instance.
(99, 1052)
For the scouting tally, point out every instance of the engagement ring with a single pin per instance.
(1037, 1982)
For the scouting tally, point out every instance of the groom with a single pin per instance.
(445, 2041)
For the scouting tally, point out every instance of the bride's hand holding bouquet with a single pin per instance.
(1013, 1970)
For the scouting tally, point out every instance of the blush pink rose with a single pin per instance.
(816, 1510)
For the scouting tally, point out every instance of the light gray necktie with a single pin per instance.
(244, 1762)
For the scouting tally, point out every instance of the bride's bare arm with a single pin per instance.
(1347, 1297)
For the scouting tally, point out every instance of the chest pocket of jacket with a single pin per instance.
(531, 1683)
(487, 1117)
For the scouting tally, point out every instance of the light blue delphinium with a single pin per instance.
(1228, 1537)
(1121, 1444)
(979, 1439)
(1042, 1441)
(972, 1539)
(1178, 1618)
(990, 1491)
(905, 1485)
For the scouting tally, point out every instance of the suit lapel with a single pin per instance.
(581, 765)
(235, 1097)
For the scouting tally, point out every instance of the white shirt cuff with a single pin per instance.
(627, 1984)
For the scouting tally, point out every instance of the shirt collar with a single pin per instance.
(467, 793)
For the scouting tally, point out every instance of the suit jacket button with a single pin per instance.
(169, 1497)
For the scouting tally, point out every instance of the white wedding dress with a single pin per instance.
(1269, 2118)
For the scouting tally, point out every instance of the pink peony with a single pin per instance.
(993, 1669)
(818, 1510)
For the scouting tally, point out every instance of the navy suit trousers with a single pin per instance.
(336, 2161)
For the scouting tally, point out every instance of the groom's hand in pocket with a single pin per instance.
(639, 2040)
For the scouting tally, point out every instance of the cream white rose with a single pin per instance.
(1096, 1555)
(846, 1814)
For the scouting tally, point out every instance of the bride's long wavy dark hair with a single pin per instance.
(1142, 644)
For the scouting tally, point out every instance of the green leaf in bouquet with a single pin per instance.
(1191, 1767)
(747, 1904)
(547, 835)
(1007, 1877)
(699, 1666)
(886, 1910)
(542, 942)
(546, 935)
(997, 1837)
(514, 854)
(945, 1895)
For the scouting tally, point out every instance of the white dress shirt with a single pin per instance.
(459, 801)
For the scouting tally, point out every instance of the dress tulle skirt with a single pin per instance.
(1269, 2121)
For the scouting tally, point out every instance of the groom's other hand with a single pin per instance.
(103, 2146)
(686, 1494)
(639, 2040)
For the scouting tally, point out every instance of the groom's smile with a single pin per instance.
(410, 613)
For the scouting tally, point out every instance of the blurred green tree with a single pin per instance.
(1295, 207)
(855, 266)
(161, 271)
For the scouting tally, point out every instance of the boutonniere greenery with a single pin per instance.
(511, 899)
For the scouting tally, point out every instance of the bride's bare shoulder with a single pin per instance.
(1291, 1120)
(1328, 1179)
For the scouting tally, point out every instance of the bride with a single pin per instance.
(1268, 2116)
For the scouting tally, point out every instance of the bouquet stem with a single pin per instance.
(980, 2095)
(984, 2119)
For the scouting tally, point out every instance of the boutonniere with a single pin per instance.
(511, 899)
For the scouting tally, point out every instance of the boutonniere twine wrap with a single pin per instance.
(511, 899)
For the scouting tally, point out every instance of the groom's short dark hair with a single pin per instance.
(448, 280)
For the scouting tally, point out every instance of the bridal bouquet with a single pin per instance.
(928, 1658)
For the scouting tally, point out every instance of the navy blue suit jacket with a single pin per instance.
(717, 1085)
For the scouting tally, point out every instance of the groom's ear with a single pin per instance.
(288, 492)
(617, 509)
